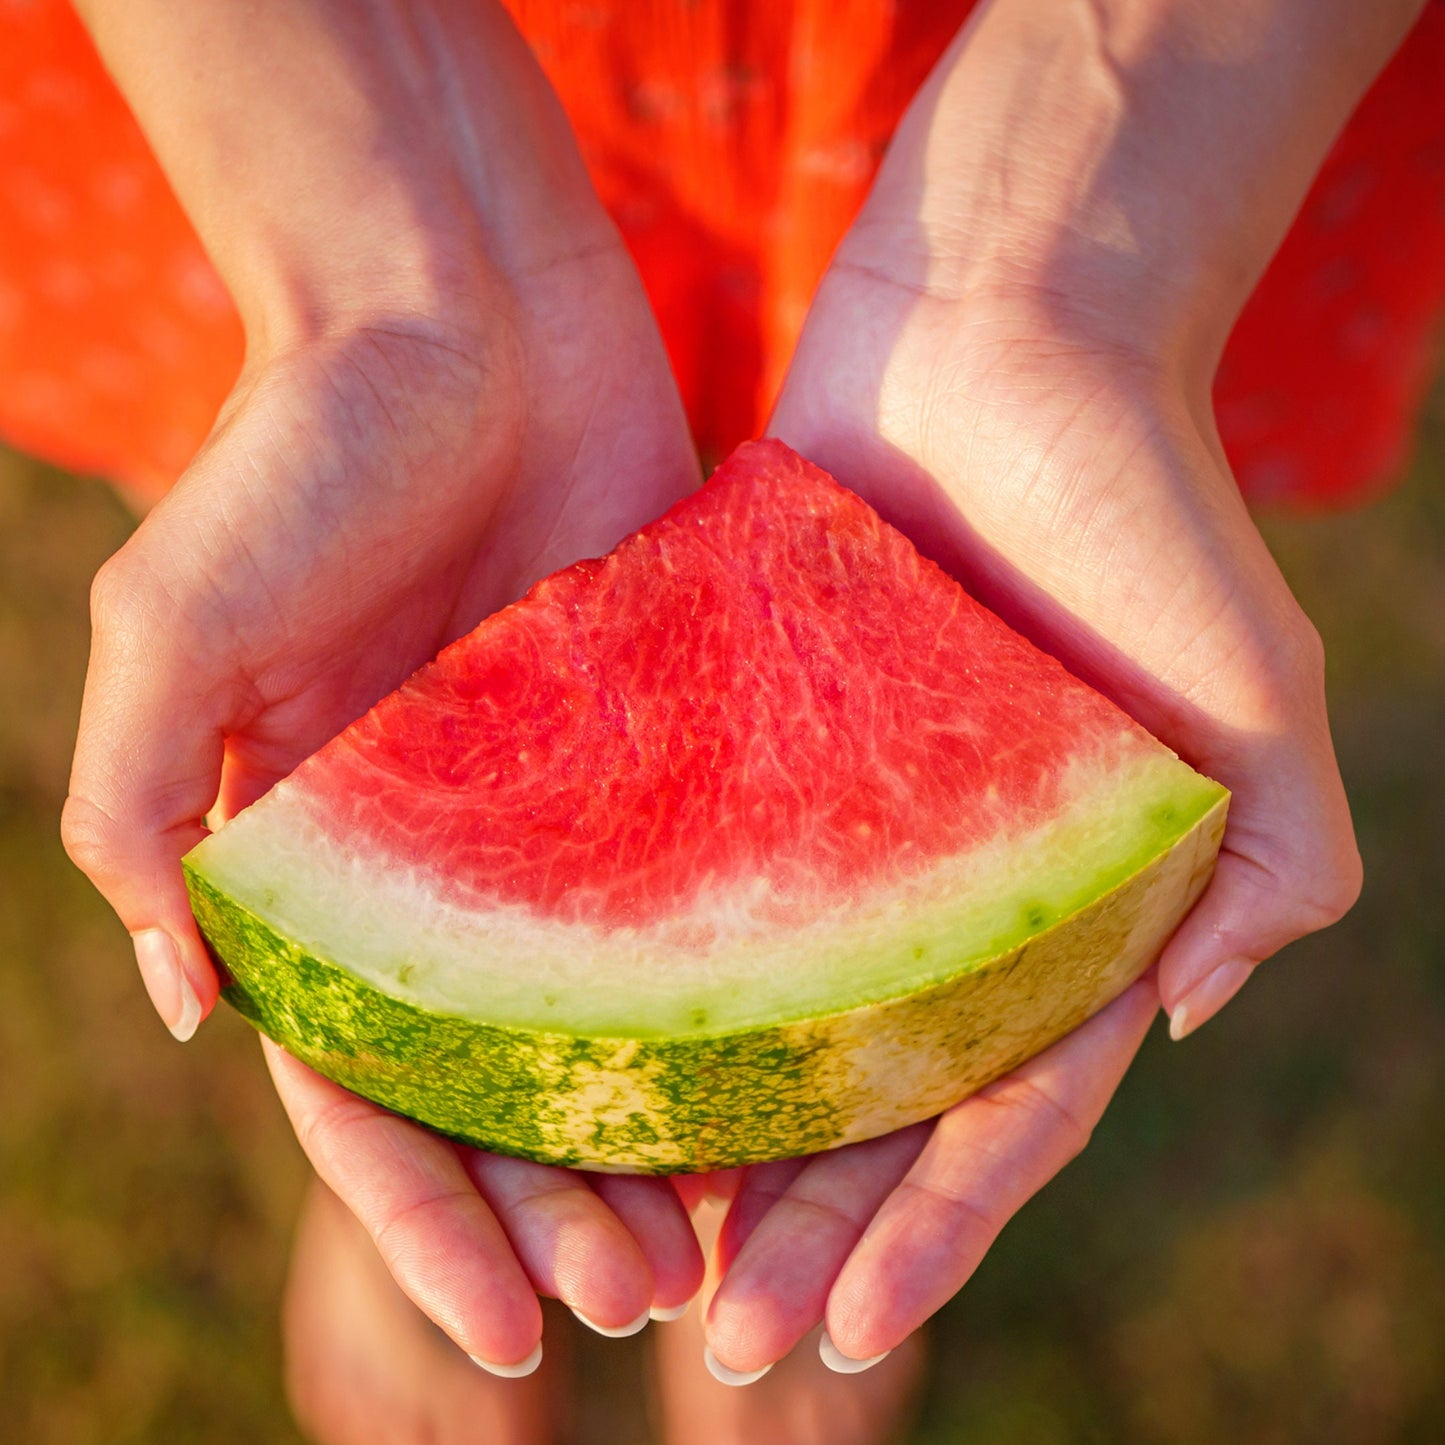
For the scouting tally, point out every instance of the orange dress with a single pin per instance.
(733, 143)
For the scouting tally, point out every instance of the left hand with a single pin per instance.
(1011, 358)
(453, 386)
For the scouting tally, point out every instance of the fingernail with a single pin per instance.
(1208, 996)
(675, 1313)
(170, 990)
(720, 1371)
(614, 1332)
(512, 1372)
(842, 1364)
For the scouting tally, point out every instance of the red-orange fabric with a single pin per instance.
(733, 143)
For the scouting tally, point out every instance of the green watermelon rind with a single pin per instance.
(718, 963)
(703, 1101)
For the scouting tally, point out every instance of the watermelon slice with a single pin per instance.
(753, 838)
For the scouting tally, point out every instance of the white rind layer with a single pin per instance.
(709, 1101)
(725, 964)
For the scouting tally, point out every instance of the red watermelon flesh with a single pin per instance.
(762, 809)
(801, 697)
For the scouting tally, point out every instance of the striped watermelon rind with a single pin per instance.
(673, 1103)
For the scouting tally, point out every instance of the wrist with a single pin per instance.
(1125, 168)
(347, 164)
(389, 264)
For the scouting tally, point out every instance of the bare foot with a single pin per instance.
(365, 1367)
(798, 1402)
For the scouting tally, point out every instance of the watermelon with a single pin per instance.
(753, 838)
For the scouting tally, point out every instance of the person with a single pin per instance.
(453, 383)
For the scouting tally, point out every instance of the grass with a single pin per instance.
(1252, 1250)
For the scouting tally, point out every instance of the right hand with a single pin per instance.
(1011, 358)
(408, 448)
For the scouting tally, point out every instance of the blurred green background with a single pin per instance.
(1253, 1249)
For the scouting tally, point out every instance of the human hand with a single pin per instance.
(453, 386)
(1011, 358)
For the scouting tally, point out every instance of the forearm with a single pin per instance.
(1141, 157)
(345, 155)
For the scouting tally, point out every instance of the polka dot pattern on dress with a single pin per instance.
(118, 341)
(733, 143)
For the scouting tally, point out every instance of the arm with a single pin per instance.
(435, 309)
(1012, 357)
(349, 162)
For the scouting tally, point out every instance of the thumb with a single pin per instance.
(147, 765)
(1289, 866)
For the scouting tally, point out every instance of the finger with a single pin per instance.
(147, 763)
(777, 1287)
(572, 1246)
(1289, 866)
(716, 1187)
(758, 1190)
(691, 1189)
(985, 1158)
(655, 1217)
(411, 1193)
(1251, 909)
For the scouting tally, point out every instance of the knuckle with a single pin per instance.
(1034, 1104)
(969, 1213)
(123, 611)
(1328, 874)
(1075, 1140)
(1312, 886)
(414, 1217)
(146, 595)
(88, 835)
(327, 1132)
(1333, 887)
(112, 592)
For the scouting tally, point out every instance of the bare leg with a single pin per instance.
(365, 1367)
(799, 1402)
